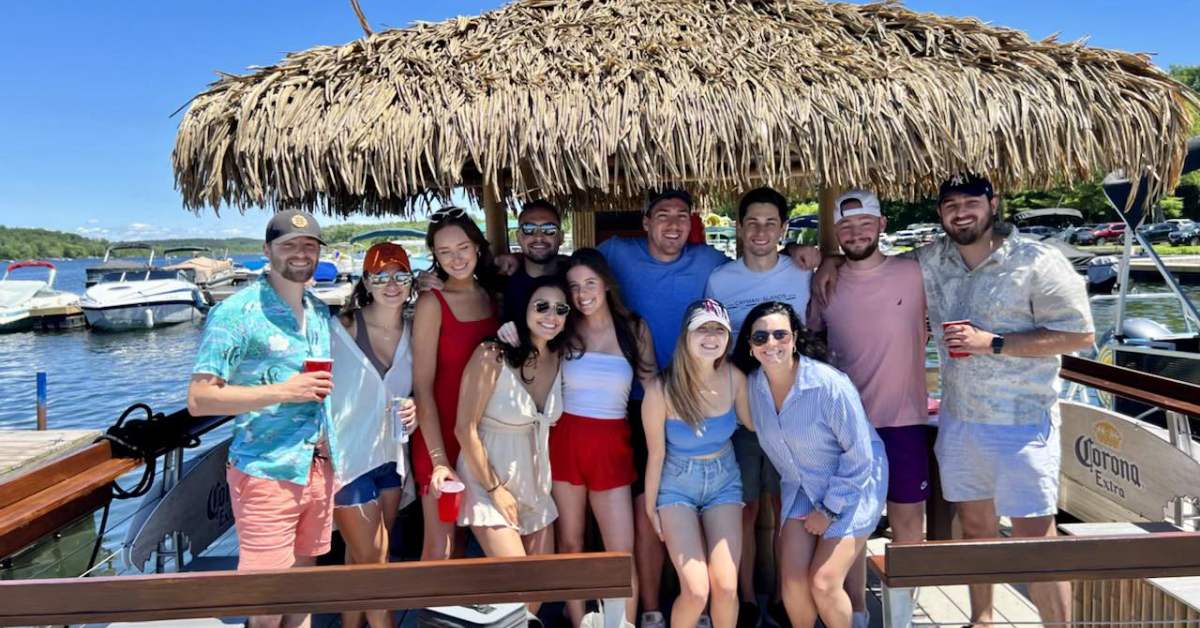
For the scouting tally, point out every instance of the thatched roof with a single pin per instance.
(593, 101)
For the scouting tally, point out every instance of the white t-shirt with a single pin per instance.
(740, 289)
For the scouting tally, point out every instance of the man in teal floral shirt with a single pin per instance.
(250, 364)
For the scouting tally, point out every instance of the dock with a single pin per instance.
(23, 449)
(58, 318)
(1186, 268)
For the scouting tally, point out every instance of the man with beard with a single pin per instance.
(875, 328)
(539, 233)
(998, 439)
(761, 274)
(1011, 306)
(250, 363)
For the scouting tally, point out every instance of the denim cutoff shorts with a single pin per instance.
(366, 487)
(700, 483)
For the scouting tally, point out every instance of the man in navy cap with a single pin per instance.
(251, 363)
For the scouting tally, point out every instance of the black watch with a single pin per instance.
(997, 344)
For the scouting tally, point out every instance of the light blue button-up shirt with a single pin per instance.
(253, 339)
(823, 447)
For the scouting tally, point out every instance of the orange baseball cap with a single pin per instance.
(385, 254)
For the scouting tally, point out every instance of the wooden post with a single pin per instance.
(583, 228)
(41, 401)
(497, 220)
(829, 243)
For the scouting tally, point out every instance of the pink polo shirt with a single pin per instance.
(875, 325)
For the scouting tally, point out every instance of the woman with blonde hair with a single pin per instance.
(693, 484)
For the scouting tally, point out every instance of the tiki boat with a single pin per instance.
(588, 103)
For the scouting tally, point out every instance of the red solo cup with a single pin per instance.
(450, 501)
(317, 364)
(948, 324)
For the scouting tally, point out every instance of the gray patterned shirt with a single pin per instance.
(1023, 285)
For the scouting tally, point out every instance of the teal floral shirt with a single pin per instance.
(253, 339)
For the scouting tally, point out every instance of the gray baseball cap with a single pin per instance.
(293, 223)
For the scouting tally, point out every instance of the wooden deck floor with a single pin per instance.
(21, 449)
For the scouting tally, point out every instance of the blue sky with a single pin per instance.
(88, 88)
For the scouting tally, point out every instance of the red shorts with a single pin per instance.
(591, 452)
(277, 521)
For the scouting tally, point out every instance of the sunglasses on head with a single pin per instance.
(402, 277)
(548, 229)
(761, 337)
(541, 307)
(447, 213)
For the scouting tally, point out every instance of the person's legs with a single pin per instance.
(750, 459)
(723, 536)
(1053, 599)
(571, 500)
(978, 521)
(299, 620)
(314, 529)
(648, 556)
(795, 557)
(439, 536)
(366, 542)
(832, 560)
(614, 514)
(540, 542)
(685, 544)
(746, 592)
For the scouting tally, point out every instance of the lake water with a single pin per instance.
(93, 377)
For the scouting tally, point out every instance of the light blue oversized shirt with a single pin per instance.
(253, 339)
(823, 447)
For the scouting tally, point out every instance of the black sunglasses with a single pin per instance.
(541, 307)
(447, 213)
(401, 277)
(548, 229)
(760, 337)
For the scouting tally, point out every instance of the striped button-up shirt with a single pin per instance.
(823, 447)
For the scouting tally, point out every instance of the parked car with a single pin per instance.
(1109, 232)
(1157, 232)
(1185, 235)
(1182, 223)
(904, 237)
(1078, 235)
(1038, 231)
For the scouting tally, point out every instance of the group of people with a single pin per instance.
(668, 389)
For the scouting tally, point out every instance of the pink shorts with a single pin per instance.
(277, 520)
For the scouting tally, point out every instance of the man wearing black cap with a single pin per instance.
(1002, 309)
(253, 362)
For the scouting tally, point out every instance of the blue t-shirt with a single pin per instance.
(660, 291)
(253, 339)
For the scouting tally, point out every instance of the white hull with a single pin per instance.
(127, 305)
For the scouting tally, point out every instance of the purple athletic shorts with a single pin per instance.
(909, 452)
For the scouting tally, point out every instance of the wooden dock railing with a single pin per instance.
(316, 589)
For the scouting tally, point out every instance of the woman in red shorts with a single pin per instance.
(448, 325)
(591, 459)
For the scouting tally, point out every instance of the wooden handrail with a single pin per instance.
(937, 563)
(316, 589)
(1164, 392)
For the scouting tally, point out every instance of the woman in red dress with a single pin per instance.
(449, 324)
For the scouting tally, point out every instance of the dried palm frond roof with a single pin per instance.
(592, 101)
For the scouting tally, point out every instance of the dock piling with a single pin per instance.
(41, 401)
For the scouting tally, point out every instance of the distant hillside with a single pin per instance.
(17, 243)
(21, 243)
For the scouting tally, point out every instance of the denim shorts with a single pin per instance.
(366, 487)
(1015, 466)
(701, 483)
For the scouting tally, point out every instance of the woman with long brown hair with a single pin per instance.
(449, 324)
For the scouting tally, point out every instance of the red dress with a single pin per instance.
(457, 341)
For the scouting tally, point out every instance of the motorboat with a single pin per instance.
(141, 297)
(115, 262)
(201, 269)
(24, 301)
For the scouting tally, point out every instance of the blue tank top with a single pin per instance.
(705, 440)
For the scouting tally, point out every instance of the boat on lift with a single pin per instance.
(23, 302)
(133, 295)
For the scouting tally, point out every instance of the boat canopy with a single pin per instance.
(1048, 216)
(391, 234)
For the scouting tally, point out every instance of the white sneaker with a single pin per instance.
(653, 619)
(592, 620)
(704, 622)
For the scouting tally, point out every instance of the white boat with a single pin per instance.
(201, 269)
(141, 298)
(21, 300)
